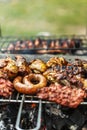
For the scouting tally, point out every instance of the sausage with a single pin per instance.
(25, 85)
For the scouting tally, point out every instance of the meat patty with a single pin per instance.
(64, 95)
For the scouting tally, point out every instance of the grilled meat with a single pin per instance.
(6, 87)
(8, 68)
(56, 61)
(43, 46)
(11, 69)
(38, 66)
(64, 95)
(30, 83)
(22, 65)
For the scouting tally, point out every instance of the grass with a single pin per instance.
(28, 17)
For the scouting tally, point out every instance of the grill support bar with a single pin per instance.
(19, 115)
(29, 99)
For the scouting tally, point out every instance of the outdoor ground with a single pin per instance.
(29, 17)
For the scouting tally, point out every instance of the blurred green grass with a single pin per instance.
(28, 17)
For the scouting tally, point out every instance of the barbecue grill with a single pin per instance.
(24, 112)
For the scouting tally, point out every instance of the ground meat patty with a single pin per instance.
(6, 87)
(64, 95)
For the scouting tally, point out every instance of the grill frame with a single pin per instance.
(6, 41)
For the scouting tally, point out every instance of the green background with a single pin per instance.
(29, 17)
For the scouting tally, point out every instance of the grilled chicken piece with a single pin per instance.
(56, 61)
(84, 63)
(38, 66)
(11, 46)
(50, 75)
(8, 66)
(22, 65)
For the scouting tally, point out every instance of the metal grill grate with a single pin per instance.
(81, 50)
